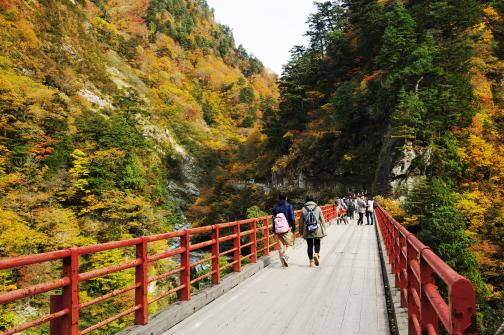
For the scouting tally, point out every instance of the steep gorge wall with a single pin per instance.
(114, 115)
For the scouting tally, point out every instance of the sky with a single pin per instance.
(266, 28)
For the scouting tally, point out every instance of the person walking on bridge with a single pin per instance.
(312, 228)
(370, 211)
(341, 208)
(361, 209)
(351, 208)
(284, 227)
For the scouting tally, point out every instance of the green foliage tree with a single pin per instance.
(255, 212)
(399, 37)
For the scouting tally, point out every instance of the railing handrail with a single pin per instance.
(414, 265)
(64, 308)
(445, 271)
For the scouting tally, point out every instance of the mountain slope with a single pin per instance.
(113, 115)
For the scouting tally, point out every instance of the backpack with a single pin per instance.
(311, 220)
(281, 224)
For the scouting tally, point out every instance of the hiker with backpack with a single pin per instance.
(284, 227)
(312, 228)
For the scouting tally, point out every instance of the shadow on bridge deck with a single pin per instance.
(345, 295)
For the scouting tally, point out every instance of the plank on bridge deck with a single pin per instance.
(343, 296)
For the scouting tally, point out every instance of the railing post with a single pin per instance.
(382, 225)
(69, 299)
(266, 237)
(254, 242)
(387, 232)
(403, 264)
(389, 238)
(141, 276)
(297, 222)
(395, 256)
(296, 225)
(379, 222)
(429, 318)
(414, 291)
(216, 256)
(462, 302)
(185, 262)
(237, 247)
(392, 236)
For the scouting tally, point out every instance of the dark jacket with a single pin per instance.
(286, 208)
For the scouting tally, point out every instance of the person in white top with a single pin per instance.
(370, 211)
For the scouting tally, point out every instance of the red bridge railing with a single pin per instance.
(65, 308)
(416, 268)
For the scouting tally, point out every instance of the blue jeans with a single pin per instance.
(370, 217)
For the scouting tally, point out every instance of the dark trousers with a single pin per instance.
(361, 218)
(370, 217)
(313, 242)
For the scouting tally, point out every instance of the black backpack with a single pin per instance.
(311, 220)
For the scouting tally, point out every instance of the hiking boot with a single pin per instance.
(312, 264)
(316, 258)
(284, 261)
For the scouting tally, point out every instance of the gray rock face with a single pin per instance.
(399, 169)
(404, 176)
(388, 165)
(387, 158)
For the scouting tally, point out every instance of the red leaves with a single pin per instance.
(44, 149)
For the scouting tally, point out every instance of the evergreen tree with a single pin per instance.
(366, 19)
(399, 39)
(323, 21)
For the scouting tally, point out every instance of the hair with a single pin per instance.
(309, 197)
(282, 196)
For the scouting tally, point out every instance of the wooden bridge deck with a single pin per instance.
(345, 295)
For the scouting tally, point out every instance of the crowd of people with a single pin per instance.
(359, 205)
(312, 226)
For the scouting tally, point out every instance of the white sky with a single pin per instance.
(266, 28)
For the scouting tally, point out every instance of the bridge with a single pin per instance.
(349, 293)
